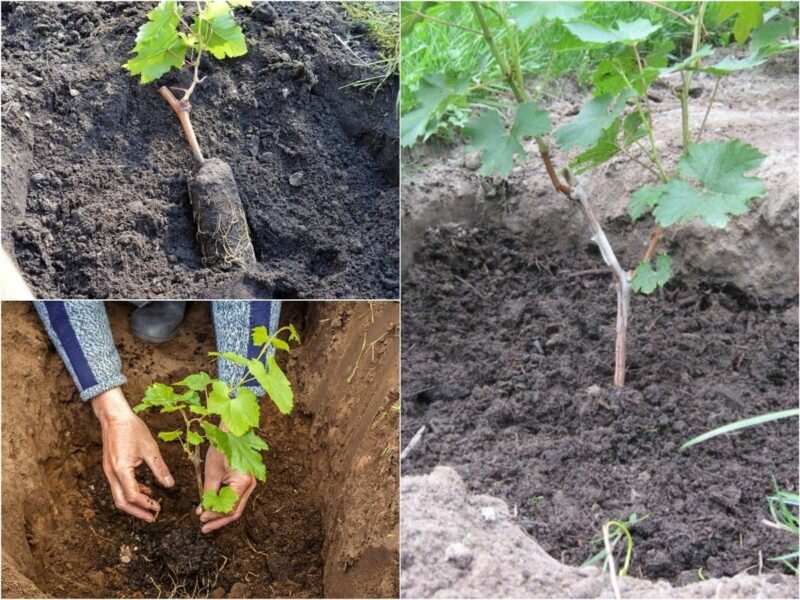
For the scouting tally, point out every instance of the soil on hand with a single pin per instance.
(514, 387)
(95, 165)
(63, 536)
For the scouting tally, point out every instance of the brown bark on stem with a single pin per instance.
(622, 281)
(551, 172)
(197, 463)
(182, 109)
(655, 237)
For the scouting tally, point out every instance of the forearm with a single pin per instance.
(82, 336)
(110, 406)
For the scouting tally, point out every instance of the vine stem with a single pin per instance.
(708, 109)
(182, 109)
(622, 280)
(422, 15)
(574, 192)
(196, 459)
(686, 77)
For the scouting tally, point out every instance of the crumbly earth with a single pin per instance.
(513, 386)
(462, 545)
(515, 390)
(325, 524)
(95, 165)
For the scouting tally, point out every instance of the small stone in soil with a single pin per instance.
(125, 554)
(459, 555)
(264, 13)
(218, 592)
(255, 142)
(296, 179)
(239, 590)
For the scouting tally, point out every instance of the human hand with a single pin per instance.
(127, 442)
(217, 474)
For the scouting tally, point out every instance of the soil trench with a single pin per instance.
(325, 524)
(95, 165)
(514, 388)
(514, 385)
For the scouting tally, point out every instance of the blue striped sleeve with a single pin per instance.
(81, 334)
(233, 322)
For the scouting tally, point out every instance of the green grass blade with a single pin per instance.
(744, 423)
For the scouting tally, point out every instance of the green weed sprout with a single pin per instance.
(710, 180)
(237, 407)
(613, 532)
(783, 505)
(741, 424)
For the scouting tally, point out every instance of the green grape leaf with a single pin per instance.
(647, 277)
(157, 394)
(749, 16)
(197, 381)
(239, 413)
(274, 383)
(527, 14)
(624, 32)
(194, 438)
(168, 436)
(158, 47)
(222, 502)
(722, 190)
(199, 410)
(216, 8)
(497, 146)
(774, 35)
(436, 92)
(730, 64)
(243, 452)
(594, 117)
(293, 335)
(605, 148)
(621, 71)
(190, 397)
(412, 13)
(689, 62)
(260, 335)
(280, 344)
(233, 357)
(218, 32)
(643, 200)
(633, 128)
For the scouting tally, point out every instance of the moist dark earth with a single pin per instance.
(95, 165)
(508, 360)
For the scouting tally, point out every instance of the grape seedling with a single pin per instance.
(167, 41)
(709, 181)
(199, 396)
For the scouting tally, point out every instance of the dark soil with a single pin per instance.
(508, 361)
(95, 165)
(275, 549)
